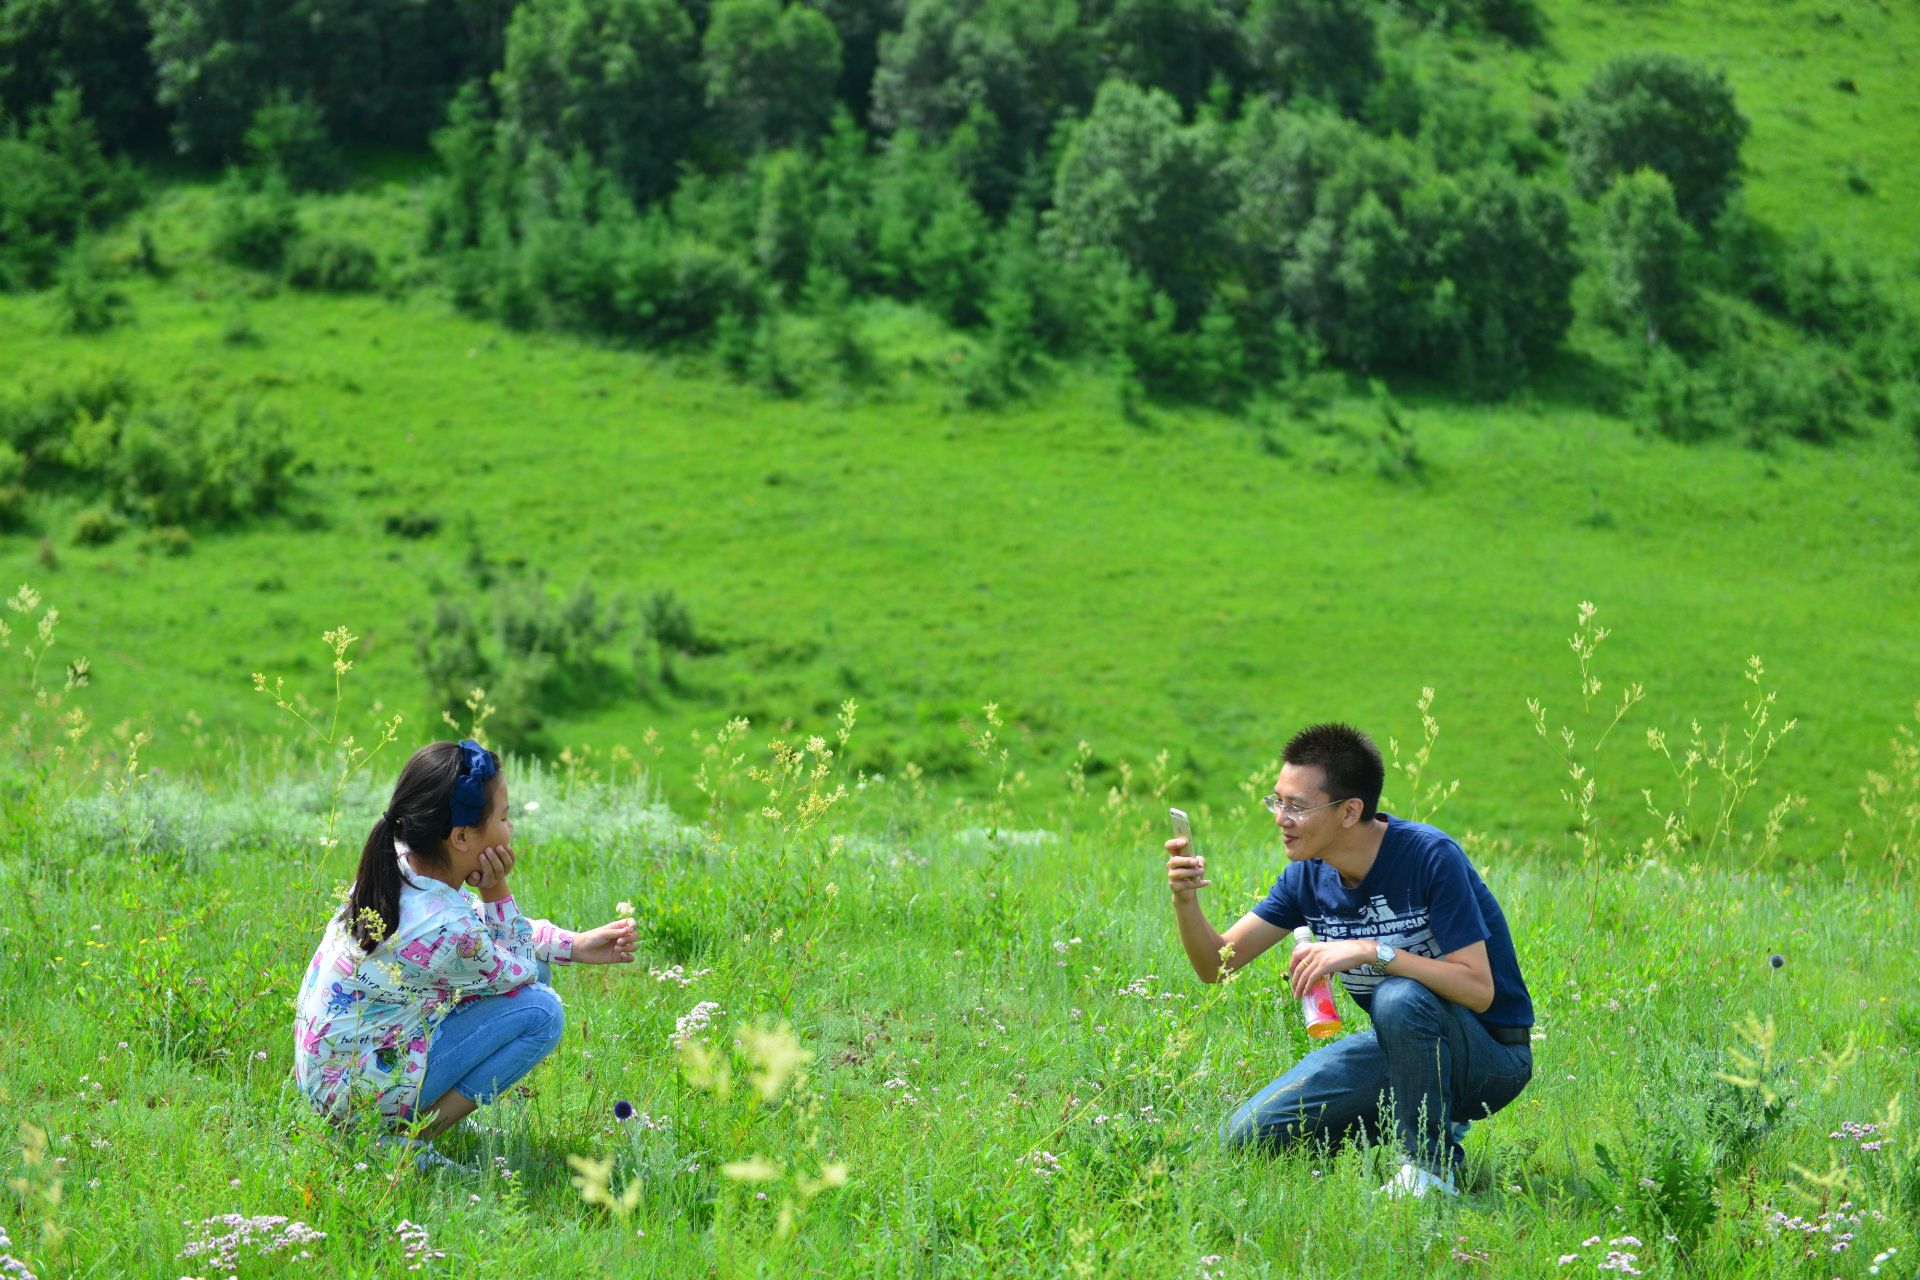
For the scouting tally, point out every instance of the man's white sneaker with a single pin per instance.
(1414, 1181)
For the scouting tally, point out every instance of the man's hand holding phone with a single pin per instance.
(1186, 871)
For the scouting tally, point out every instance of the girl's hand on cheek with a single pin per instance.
(491, 878)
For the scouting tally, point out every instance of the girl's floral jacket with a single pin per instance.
(365, 1022)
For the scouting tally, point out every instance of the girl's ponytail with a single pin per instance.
(373, 906)
(420, 816)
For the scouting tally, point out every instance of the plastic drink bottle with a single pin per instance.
(1316, 1006)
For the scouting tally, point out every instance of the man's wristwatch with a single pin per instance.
(1383, 954)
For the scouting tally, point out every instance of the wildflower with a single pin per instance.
(1565, 1258)
(623, 1110)
(1776, 960)
(693, 1022)
(623, 909)
(531, 806)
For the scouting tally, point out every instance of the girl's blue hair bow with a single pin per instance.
(469, 801)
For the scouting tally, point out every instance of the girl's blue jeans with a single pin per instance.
(1428, 1068)
(486, 1045)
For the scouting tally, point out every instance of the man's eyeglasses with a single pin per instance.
(1288, 811)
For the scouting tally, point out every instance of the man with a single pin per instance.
(1417, 939)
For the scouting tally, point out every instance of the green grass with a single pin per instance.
(1191, 583)
(1810, 134)
(1167, 585)
(968, 1002)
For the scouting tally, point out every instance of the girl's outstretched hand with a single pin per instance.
(609, 944)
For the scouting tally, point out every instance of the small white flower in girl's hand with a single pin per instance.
(623, 909)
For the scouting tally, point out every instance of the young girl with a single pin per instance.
(421, 1004)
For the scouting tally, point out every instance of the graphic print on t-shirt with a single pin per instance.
(1409, 932)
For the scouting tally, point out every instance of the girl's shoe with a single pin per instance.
(425, 1158)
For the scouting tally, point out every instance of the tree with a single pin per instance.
(1010, 68)
(860, 24)
(1181, 46)
(613, 78)
(770, 71)
(58, 184)
(96, 46)
(1137, 181)
(1325, 49)
(1658, 111)
(1643, 244)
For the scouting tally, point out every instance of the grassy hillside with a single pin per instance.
(1173, 579)
(1826, 84)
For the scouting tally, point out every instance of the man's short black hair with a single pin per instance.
(1347, 757)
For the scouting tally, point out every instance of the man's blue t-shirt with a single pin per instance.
(1422, 895)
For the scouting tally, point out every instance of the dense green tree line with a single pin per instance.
(1212, 193)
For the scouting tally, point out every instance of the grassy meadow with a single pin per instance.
(910, 1001)
(920, 1040)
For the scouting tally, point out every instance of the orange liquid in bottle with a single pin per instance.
(1322, 1019)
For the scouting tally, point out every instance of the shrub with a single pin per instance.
(1807, 394)
(1676, 402)
(331, 264)
(176, 466)
(88, 301)
(37, 423)
(1817, 289)
(253, 227)
(411, 524)
(168, 540)
(288, 136)
(1643, 244)
(13, 507)
(96, 527)
(1658, 111)
(58, 184)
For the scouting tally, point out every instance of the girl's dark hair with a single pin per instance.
(420, 816)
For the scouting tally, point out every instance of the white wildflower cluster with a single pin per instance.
(1831, 1232)
(693, 1022)
(1881, 1260)
(259, 1236)
(1209, 1267)
(415, 1245)
(678, 975)
(1619, 1255)
(1043, 1163)
(907, 1096)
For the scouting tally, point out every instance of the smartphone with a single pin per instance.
(1180, 828)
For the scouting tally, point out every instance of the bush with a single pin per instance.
(13, 507)
(36, 425)
(411, 525)
(1807, 394)
(332, 264)
(96, 527)
(58, 184)
(176, 466)
(1643, 248)
(1675, 401)
(168, 540)
(88, 301)
(254, 227)
(1662, 112)
(288, 137)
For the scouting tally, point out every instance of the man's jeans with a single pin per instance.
(1427, 1063)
